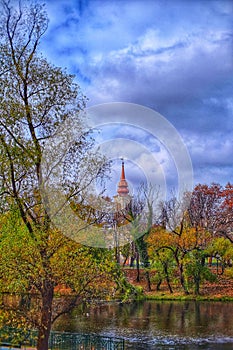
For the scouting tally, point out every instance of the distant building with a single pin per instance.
(123, 197)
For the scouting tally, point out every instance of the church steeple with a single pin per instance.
(123, 198)
(123, 189)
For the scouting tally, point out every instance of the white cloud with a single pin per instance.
(175, 57)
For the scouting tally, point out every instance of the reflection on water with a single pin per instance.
(158, 325)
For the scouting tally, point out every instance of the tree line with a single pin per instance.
(186, 234)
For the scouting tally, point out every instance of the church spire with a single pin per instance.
(122, 185)
(122, 170)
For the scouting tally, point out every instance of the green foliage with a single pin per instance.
(197, 271)
(221, 247)
(19, 259)
(163, 263)
(77, 274)
(229, 272)
(82, 269)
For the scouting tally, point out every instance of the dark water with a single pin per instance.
(158, 325)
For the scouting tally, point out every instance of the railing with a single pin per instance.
(10, 337)
(84, 342)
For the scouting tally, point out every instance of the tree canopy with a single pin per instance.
(36, 98)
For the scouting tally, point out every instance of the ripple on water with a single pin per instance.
(179, 343)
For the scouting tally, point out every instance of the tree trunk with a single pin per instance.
(197, 280)
(138, 267)
(143, 254)
(182, 279)
(47, 295)
(181, 273)
(148, 287)
(124, 263)
(132, 258)
(167, 277)
(159, 284)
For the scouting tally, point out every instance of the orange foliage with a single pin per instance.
(189, 239)
(227, 194)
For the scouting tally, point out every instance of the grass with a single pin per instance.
(181, 297)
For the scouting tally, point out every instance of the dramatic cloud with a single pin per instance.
(172, 56)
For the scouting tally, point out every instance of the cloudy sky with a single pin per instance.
(172, 56)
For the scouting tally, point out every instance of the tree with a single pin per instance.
(225, 218)
(162, 259)
(35, 99)
(211, 208)
(186, 241)
(189, 230)
(222, 249)
(140, 213)
(77, 273)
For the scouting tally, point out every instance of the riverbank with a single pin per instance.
(221, 290)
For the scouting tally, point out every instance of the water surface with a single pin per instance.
(161, 325)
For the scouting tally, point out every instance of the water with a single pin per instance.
(157, 325)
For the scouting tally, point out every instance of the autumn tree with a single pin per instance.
(161, 254)
(222, 250)
(186, 242)
(141, 214)
(191, 230)
(36, 98)
(225, 218)
(77, 273)
(211, 208)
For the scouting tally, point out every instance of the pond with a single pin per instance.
(165, 325)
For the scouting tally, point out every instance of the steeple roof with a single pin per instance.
(123, 189)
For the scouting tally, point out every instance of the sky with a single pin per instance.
(174, 57)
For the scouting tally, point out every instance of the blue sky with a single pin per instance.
(175, 57)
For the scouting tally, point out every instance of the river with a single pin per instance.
(164, 325)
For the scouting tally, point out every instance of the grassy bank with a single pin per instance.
(220, 290)
(190, 297)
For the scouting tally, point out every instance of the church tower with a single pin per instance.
(123, 197)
